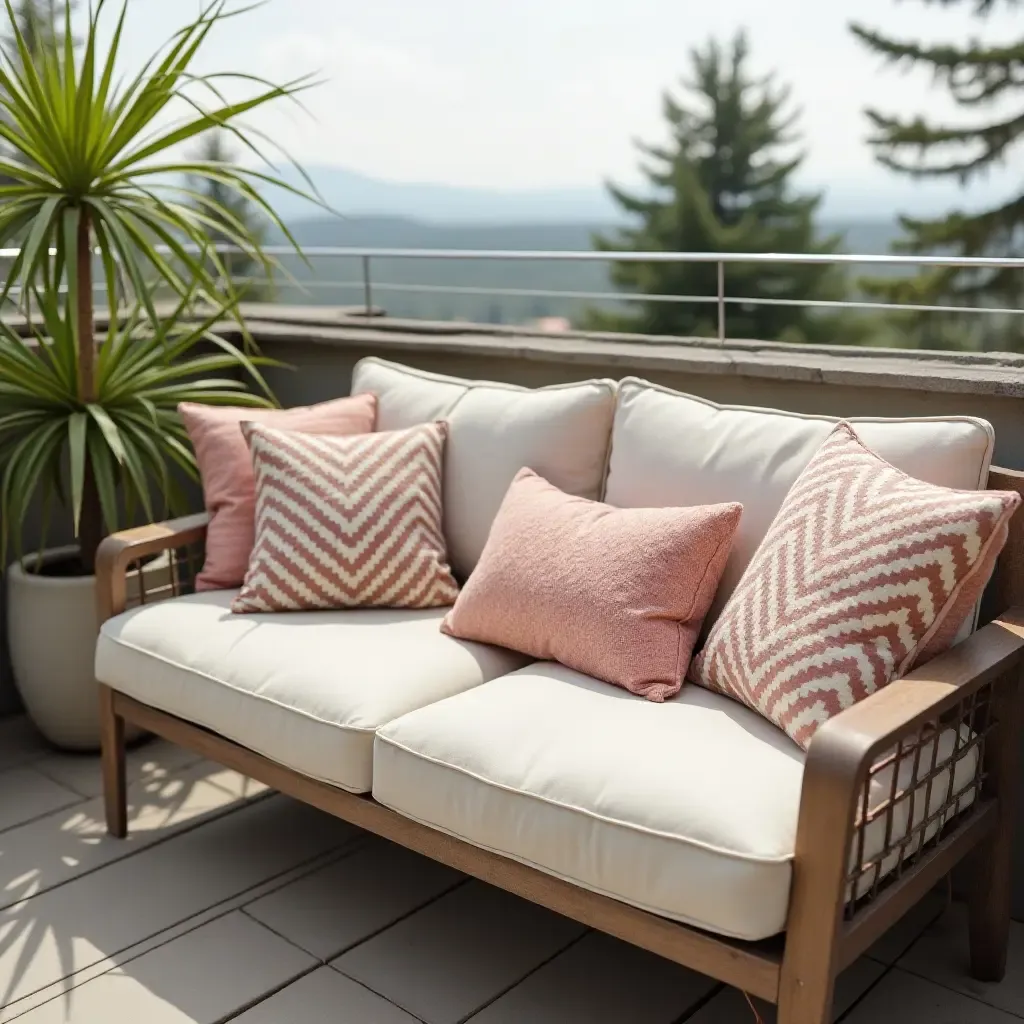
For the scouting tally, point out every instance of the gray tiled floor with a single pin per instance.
(600, 980)
(29, 794)
(941, 955)
(351, 899)
(173, 983)
(228, 903)
(906, 999)
(458, 953)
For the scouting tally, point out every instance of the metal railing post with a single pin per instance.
(367, 286)
(721, 302)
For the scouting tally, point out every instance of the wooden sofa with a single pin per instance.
(891, 796)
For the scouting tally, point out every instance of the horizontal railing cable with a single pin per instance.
(367, 284)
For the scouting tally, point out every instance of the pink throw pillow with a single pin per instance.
(864, 572)
(616, 593)
(347, 522)
(225, 467)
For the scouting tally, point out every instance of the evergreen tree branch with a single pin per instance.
(975, 74)
(990, 143)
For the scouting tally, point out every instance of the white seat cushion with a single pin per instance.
(670, 448)
(306, 689)
(561, 432)
(687, 809)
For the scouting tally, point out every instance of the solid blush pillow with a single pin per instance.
(347, 522)
(864, 573)
(225, 468)
(616, 593)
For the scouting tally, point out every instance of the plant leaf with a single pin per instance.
(79, 143)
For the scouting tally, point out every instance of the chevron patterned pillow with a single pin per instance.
(864, 572)
(347, 522)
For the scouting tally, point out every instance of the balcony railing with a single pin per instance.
(367, 284)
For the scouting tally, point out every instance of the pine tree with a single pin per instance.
(977, 77)
(242, 269)
(723, 183)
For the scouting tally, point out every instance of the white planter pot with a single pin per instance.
(51, 629)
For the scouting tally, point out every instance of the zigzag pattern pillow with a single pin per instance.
(864, 572)
(347, 522)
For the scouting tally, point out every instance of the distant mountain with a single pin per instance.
(873, 198)
(352, 193)
(402, 232)
(397, 232)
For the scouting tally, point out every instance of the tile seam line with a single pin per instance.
(379, 995)
(690, 1012)
(519, 981)
(887, 969)
(76, 802)
(313, 864)
(234, 1014)
(39, 763)
(134, 851)
(366, 938)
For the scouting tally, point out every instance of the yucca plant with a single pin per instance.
(90, 180)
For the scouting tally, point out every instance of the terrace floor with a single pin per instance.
(228, 902)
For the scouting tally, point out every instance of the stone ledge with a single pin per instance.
(989, 373)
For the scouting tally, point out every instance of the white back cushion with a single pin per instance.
(561, 432)
(669, 448)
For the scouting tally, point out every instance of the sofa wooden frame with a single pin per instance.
(976, 684)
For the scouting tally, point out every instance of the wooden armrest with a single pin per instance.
(120, 550)
(846, 748)
(839, 762)
(853, 738)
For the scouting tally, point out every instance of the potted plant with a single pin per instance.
(95, 200)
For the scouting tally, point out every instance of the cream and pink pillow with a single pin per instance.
(225, 468)
(619, 594)
(347, 522)
(864, 572)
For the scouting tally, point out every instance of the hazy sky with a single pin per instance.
(524, 93)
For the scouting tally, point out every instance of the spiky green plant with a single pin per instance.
(93, 181)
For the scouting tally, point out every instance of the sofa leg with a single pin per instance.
(810, 959)
(806, 1001)
(988, 903)
(115, 795)
(808, 976)
(991, 866)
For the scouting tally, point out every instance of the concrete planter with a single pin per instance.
(52, 628)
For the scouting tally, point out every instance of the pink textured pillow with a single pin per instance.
(225, 467)
(864, 573)
(617, 593)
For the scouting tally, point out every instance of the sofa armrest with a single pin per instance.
(121, 551)
(846, 746)
(972, 693)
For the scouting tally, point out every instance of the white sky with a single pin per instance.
(537, 93)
